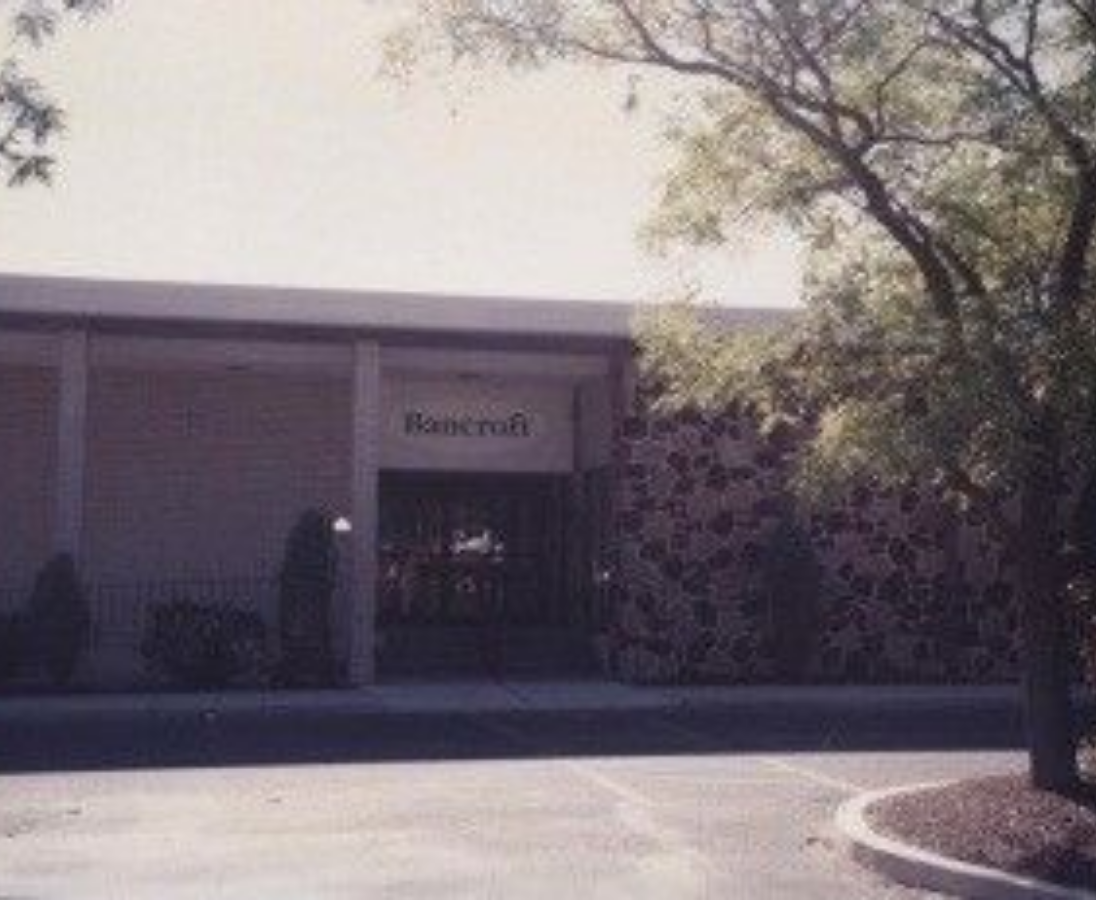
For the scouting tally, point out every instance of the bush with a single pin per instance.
(58, 618)
(13, 636)
(792, 581)
(306, 585)
(205, 645)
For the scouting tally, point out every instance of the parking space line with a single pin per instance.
(820, 778)
(694, 737)
(618, 790)
(801, 772)
(636, 810)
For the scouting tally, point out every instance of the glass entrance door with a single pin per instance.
(472, 550)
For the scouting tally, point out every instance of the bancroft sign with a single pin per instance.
(515, 425)
(437, 424)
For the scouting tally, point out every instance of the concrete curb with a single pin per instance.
(505, 697)
(922, 869)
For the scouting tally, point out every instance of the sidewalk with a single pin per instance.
(472, 697)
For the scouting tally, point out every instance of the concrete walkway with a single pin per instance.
(510, 697)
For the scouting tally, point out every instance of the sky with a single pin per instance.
(252, 142)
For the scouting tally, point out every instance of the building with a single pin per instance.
(503, 497)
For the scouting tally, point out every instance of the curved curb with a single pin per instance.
(917, 868)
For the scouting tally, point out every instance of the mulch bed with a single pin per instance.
(1000, 823)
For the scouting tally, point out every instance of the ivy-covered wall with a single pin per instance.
(722, 577)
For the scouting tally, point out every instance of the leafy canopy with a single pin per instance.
(30, 120)
(938, 158)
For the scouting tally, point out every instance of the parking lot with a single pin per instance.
(628, 804)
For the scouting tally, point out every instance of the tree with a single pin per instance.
(938, 158)
(307, 583)
(30, 120)
(59, 618)
(791, 579)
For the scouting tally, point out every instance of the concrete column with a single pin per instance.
(578, 535)
(621, 389)
(365, 508)
(72, 409)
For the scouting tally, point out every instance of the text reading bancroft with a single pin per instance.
(512, 426)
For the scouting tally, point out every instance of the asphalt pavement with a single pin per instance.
(631, 804)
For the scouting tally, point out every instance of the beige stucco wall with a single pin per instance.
(28, 402)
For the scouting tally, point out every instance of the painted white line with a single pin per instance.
(680, 861)
(819, 778)
(621, 791)
(801, 772)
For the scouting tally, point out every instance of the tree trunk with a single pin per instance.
(1052, 741)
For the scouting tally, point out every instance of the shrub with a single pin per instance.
(306, 585)
(13, 636)
(791, 579)
(205, 645)
(58, 618)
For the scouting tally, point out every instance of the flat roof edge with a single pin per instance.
(381, 312)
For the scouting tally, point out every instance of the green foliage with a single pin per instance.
(30, 120)
(792, 581)
(58, 618)
(938, 159)
(36, 21)
(307, 584)
(13, 638)
(205, 646)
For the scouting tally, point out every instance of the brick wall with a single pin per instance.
(28, 452)
(199, 475)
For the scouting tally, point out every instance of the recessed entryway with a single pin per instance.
(473, 577)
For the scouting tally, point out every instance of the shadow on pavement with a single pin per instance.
(166, 740)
